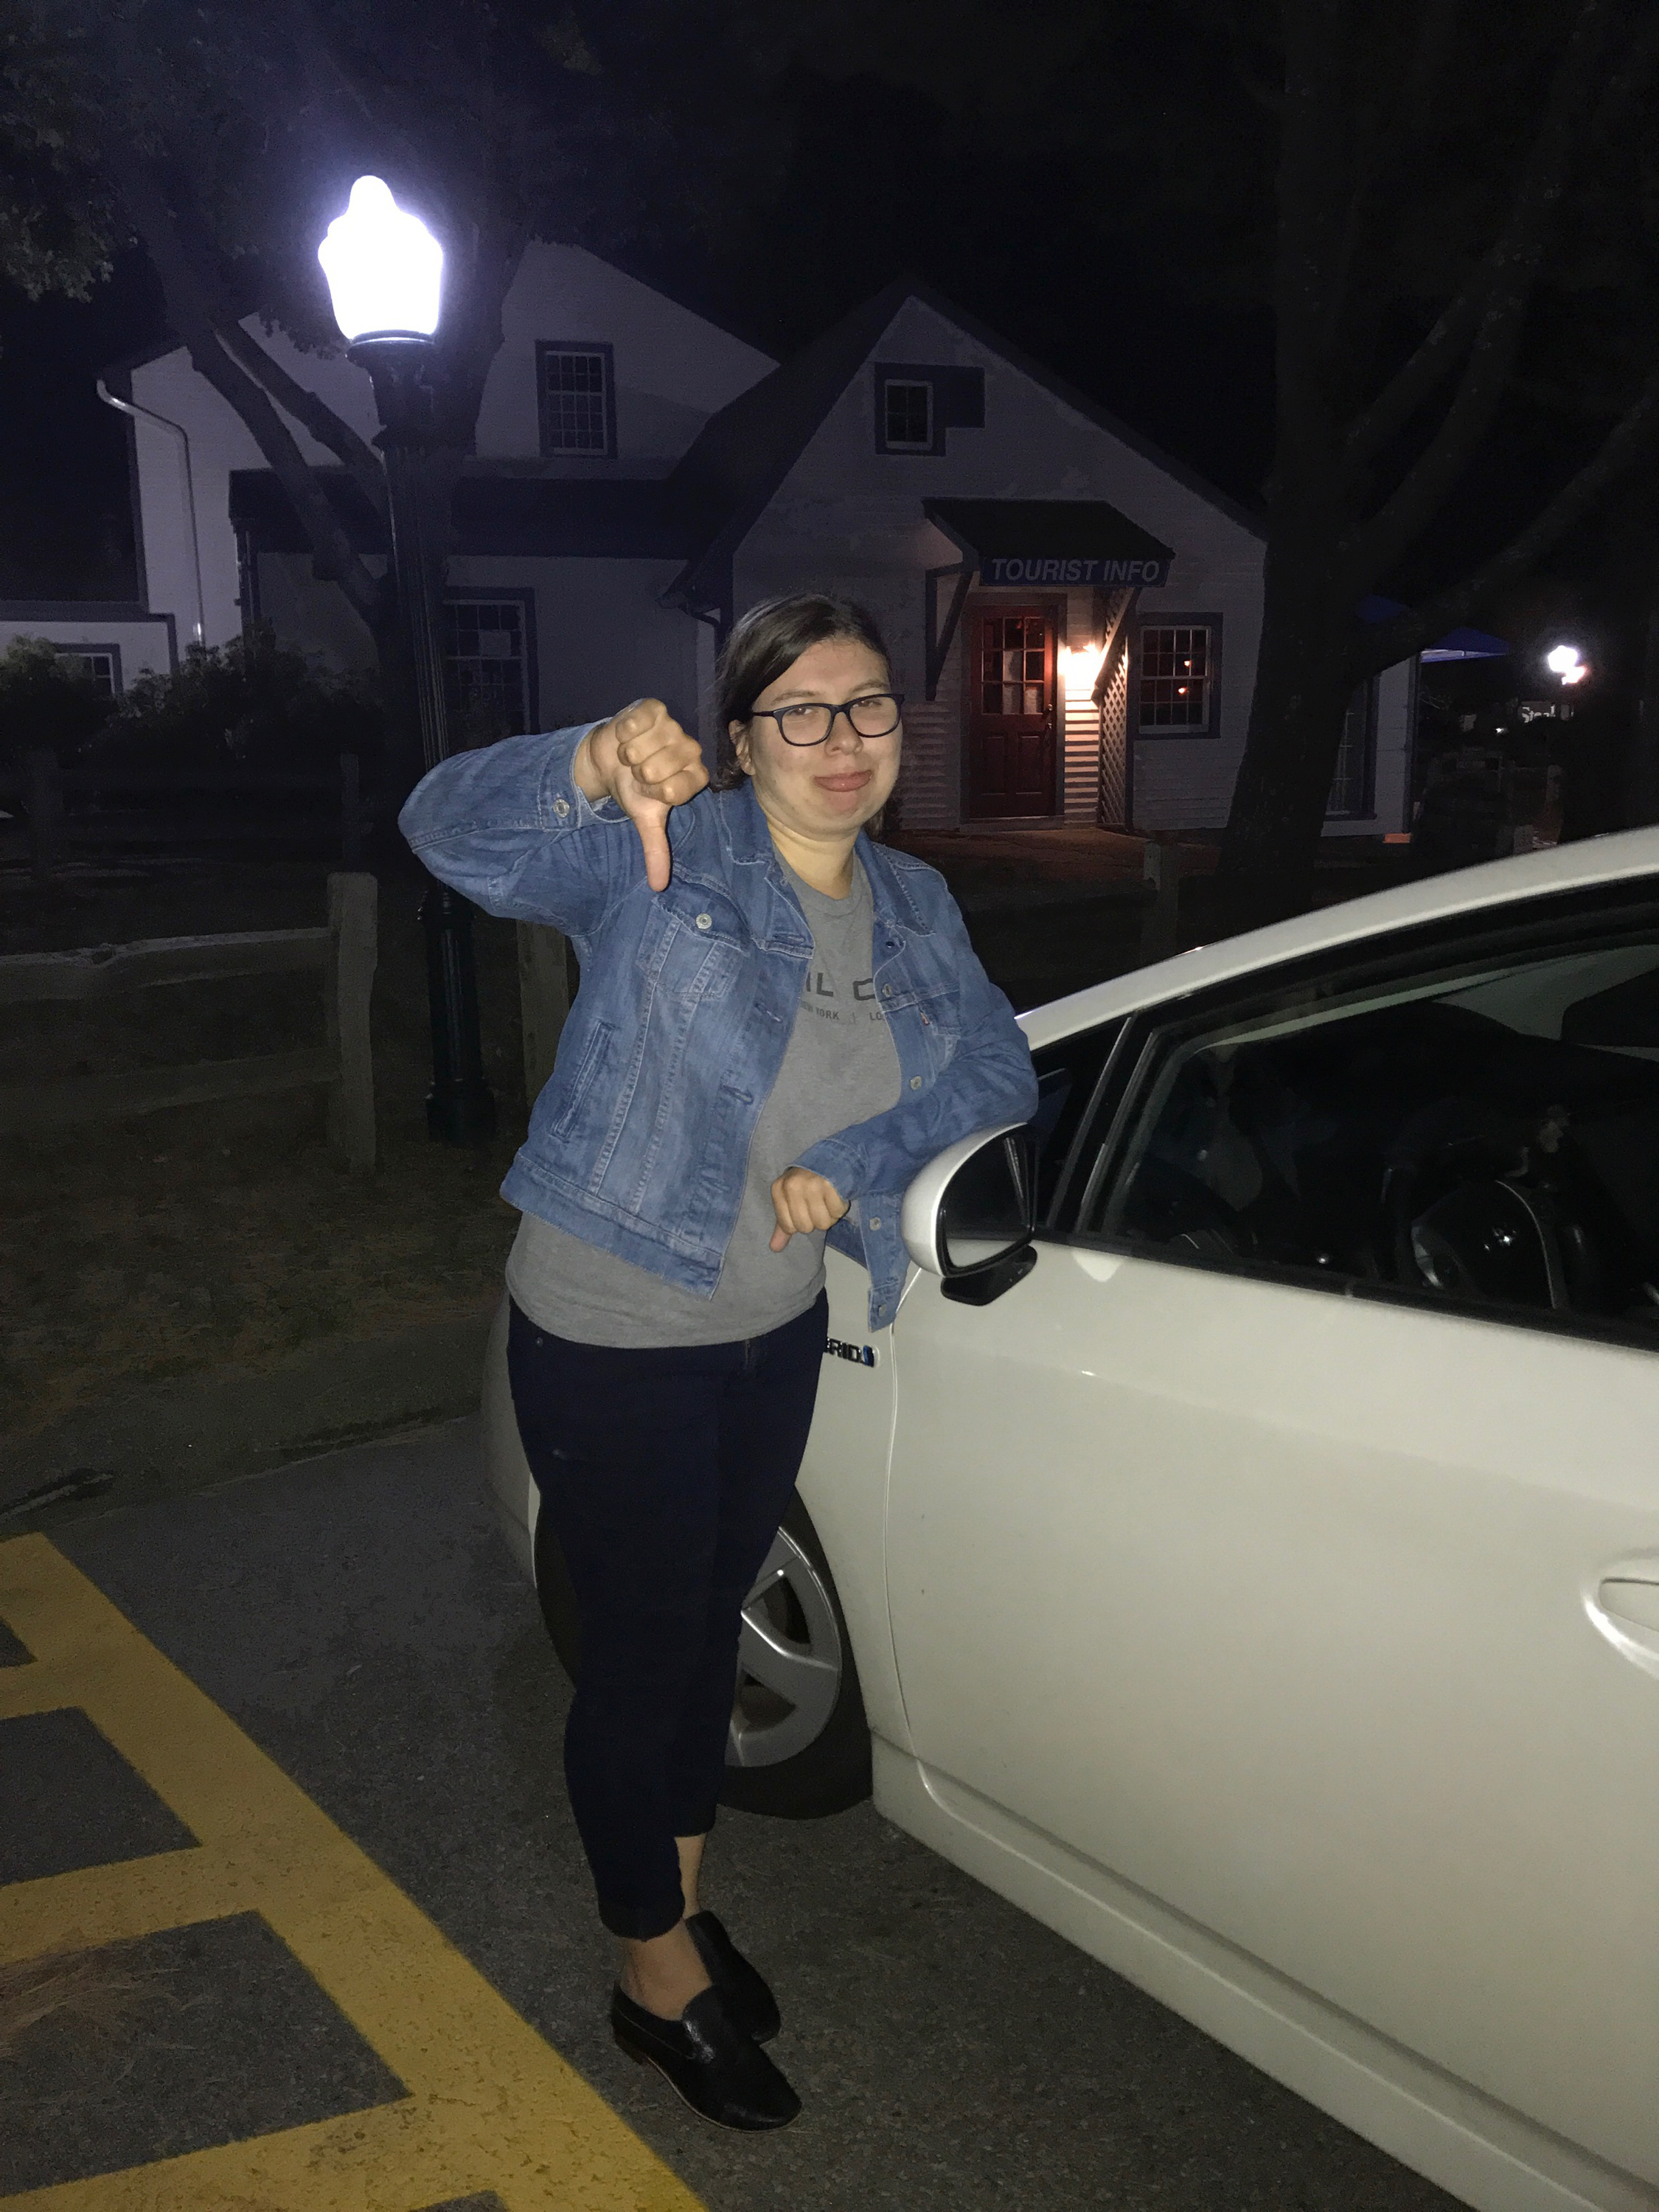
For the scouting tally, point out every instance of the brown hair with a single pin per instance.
(762, 644)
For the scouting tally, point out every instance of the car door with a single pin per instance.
(1287, 1543)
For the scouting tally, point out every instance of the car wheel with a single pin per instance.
(799, 1745)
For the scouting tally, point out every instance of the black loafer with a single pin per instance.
(706, 2057)
(748, 2000)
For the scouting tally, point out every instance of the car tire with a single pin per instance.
(795, 1761)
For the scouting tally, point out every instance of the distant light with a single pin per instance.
(384, 267)
(1564, 661)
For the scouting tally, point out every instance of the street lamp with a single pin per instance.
(385, 272)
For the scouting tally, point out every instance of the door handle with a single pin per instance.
(1625, 1609)
(1633, 1602)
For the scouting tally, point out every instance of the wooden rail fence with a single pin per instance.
(344, 949)
(255, 806)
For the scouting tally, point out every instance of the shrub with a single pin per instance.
(47, 699)
(252, 702)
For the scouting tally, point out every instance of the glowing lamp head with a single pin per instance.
(384, 267)
(1564, 661)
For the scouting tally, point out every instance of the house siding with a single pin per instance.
(848, 518)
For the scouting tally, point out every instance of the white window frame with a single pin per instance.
(890, 444)
(547, 350)
(1211, 625)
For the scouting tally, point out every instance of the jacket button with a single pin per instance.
(886, 990)
(915, 1083)
(875, 1221)
(561, 807)
(705, 921)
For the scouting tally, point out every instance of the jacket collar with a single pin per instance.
(755, 863)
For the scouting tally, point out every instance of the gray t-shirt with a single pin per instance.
(840, 1068)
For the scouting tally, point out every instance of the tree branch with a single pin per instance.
(190, 312)
(312, 413)
(1306, 231)
(1406, 635)
(1488, 311)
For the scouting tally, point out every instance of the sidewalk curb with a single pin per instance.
(180, 1435)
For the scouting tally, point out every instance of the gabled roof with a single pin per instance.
(742, 455)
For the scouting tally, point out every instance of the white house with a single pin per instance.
(1073, 615)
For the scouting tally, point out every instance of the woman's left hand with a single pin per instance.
(803, 1201)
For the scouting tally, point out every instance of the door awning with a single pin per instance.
(1052, 541)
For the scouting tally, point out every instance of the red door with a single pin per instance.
(1010, 713)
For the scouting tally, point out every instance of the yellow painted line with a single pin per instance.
(491, 2105)
(115, 1904)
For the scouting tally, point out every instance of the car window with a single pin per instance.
(1482, 1135)
(1067, 1075)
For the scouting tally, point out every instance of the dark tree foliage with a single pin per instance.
(254, 702)
(48, 702)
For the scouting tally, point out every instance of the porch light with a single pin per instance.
(384, 267)
(1564, 661)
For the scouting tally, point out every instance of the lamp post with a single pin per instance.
(385, 272)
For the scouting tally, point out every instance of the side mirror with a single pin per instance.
(969, 1216)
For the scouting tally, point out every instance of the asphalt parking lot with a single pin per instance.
(305, 2003)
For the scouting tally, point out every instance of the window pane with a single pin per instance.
(484, 671)
(577, 403)
(1486, 1140)
(1175, 678)
(909, 414)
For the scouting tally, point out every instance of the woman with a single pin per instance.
(778, 1022)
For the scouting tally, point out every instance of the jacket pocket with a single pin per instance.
(595, 1046)
(693, 945)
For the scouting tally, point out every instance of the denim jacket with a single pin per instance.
(639, 1139)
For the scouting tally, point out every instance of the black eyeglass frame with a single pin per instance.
(803, 744)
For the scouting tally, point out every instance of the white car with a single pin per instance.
(1243, 1551)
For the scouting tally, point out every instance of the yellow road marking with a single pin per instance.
(490, 2106)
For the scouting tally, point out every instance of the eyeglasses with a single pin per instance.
(810, 723)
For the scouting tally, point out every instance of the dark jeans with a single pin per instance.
(665, 1473)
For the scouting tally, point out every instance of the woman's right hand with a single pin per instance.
(645, 761)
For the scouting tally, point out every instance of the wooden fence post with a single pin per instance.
(1160, 919)
(543, 1000)
(353, 952)
(45, 804)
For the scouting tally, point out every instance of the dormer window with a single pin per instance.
(909, 417)
(577, 396)
(916, 402)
